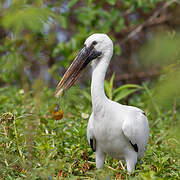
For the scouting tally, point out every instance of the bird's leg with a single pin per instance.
(100, 158)
(131, 159)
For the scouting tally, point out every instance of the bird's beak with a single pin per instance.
(73, 72)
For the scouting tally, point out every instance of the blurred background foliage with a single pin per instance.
(38, 41)
(41, 38)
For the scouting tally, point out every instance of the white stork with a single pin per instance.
(113, 129)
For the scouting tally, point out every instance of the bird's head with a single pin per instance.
(99, 42)
(95, 47)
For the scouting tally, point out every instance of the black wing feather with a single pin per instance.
(92, 145)
(134, 146)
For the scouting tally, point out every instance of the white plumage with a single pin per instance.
(113, 129)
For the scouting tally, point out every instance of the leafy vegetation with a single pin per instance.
(35, 33)
(36, 146)
(121, 92)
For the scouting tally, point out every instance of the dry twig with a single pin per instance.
(149, 21)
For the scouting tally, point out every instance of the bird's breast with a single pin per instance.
(109, 137)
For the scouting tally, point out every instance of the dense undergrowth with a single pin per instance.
(33, 145)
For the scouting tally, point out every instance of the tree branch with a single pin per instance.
(149, 21)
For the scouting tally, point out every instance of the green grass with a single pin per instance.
(33, 145)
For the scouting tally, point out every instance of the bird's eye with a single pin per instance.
(94, 43)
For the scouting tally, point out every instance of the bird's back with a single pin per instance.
(135, 126)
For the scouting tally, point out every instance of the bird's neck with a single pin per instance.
(97, 84)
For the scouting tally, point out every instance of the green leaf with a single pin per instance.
(63, 21)
(107, 88)
(72, 3)
(120, 24)
(111, 85)
(111, 2)
(127, 86)
(124, 94)
(26, 18)
(86, 95)
(117, 49)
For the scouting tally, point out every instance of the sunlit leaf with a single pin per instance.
(127, 86)
(107, 88)
(124, 94)
(30, 18)
(111, 2)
